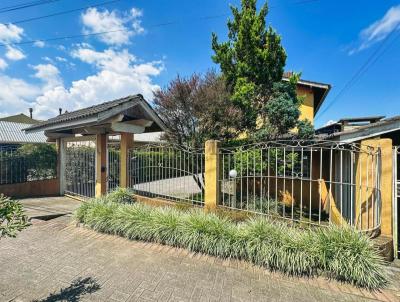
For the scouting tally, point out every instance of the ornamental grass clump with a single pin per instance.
(349, 256)
(342, 254)
(121, 195)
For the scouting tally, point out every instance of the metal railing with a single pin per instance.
(312, 182)
(27, 162)
(113, 163)
(167, 171)
(80, 168)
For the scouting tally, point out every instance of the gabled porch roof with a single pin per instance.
(130, 114)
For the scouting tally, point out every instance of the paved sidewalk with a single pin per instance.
(56, 261)
(46, 207)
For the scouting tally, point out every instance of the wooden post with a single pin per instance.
(101, 164)
(211, 195)
(126, 144)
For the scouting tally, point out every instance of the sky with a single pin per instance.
(353, 45)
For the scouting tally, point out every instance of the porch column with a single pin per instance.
(101, 164)
(126, 144)
(211, 194)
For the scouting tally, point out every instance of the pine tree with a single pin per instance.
(252, 59)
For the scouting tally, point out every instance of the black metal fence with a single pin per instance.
(27, 162)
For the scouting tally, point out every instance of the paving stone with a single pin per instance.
(58, 258)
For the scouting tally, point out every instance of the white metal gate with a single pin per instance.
(79, 166)
(113, 162)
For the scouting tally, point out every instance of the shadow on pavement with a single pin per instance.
(74, 292)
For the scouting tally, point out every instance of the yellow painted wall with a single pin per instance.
(307, 108)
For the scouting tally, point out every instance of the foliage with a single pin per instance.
(28, 162)
(121, 195)
(196, 109)
(252, 60)
(257, 160)
(343, 254)
(12, 217)
(282, 110)
(305, 129)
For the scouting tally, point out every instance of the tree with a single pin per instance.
(196, 109)
(252, 59)
(12, 217)
(305, 129)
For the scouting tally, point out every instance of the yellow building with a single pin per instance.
(313, 94)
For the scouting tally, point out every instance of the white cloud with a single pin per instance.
(47, 59)
(379, 30)
(14, 54)
(118, 75)
(3, 64)
(330, 122)
(109, 59)
(16, 95)
(49, 74)
(61, 59)
(39, 44)
(10, 33)
(122, 26)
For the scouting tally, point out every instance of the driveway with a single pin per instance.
(49, 207)
(55, 260)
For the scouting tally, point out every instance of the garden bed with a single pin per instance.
(342, 254)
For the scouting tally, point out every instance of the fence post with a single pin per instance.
(386, 181)
(126, 144)
(101, 164)
(211, 195)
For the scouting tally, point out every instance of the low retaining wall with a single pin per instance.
(48, 187)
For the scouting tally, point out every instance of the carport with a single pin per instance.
(85, 137)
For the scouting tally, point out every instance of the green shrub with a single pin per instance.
(12, 217)
(121, 195)
(342, 254)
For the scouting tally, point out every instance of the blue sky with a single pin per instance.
(328, 41)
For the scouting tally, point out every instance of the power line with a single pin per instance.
(26, 42)
(62, 12)
(25, 5)
(371, 60)
(103, 32)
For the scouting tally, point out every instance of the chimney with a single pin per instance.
(30, 112)
(60, 110)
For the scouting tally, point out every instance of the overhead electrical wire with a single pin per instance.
(63, 12)
(25, 5)
(371, 60)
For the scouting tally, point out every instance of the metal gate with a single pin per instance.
(113, 162)
(170, 172)
(396, 199)
(80, 166)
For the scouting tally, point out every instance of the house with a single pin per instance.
(313, 93)
(20, 119)
(12, 134)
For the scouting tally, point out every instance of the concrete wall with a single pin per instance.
(49, 187)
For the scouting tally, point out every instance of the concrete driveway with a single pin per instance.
(49, 207)
(55, 260)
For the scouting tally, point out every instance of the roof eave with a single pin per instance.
(99, 118)
(63, 125)
(322, 99)
(368, 131)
